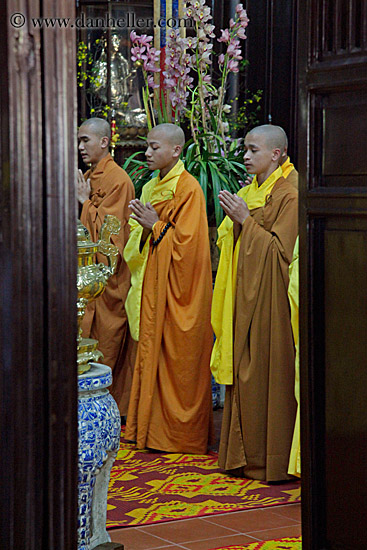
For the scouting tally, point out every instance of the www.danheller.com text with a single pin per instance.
(129, 21)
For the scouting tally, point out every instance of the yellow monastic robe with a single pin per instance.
(293, 291)
(105, 318)
(259, 409)
(170, 406)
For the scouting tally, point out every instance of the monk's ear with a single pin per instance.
(177, 151)
(276, 154)
(104, 142)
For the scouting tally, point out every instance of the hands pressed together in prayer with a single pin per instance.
(82, 188)
(234, 206)
(144, 214)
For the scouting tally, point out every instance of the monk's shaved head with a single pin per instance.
(274, 136)
(170, 132)
(99, 126)
(94, 136)
(164, 146)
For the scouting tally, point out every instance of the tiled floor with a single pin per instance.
(216, 530)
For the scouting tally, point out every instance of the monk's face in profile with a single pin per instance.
(259, 157)
(161, 154)
(91, 145)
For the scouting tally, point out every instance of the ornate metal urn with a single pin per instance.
(91, 281)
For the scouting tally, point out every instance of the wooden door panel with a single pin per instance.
(333, 271)
(345, 379)
(340, 159)
(344, 159)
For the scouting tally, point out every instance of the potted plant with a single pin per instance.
(191, 98)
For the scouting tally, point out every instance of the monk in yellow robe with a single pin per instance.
(168, 305)
(254, 349)
(107, 189)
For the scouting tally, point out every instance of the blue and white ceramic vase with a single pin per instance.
(99, 426)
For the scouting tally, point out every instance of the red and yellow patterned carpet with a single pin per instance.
(150, 487)
(280, 544)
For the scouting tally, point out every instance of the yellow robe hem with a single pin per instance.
(294, 467)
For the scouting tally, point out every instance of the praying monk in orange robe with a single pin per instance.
(168, 305)
(107, 189)
(254, 349)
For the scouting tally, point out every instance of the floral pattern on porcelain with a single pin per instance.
(99, 438)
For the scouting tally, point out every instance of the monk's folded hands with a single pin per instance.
(144, 214)
(233, 206)
(82, 188)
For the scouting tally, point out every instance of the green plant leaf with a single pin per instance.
(146, 107)
(203, 179)
(216, 188)
(131, 159)
(163, 107)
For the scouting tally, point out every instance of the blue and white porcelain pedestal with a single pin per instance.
(99, 426)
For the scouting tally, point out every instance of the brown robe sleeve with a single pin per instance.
(268, 241)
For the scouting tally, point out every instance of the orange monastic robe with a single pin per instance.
(105, 318)
(170, 405)
(259, 410)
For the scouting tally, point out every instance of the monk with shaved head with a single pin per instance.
(168, 305)
(288, 170)
(107, 189)
(254, 350)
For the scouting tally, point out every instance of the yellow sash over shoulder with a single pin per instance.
(155, 191)
(287, 168)
(221, 363)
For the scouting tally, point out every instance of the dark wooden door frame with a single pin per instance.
(38, 380)
(332, 42)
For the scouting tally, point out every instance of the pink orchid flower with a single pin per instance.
(201, 34)
(190, 42)
(233, 66)
(225, 36)
(197, 4)
(241, 33)
(243, 18)
(208, 29)
(151, 82)
(204, 14)
(144, 39)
